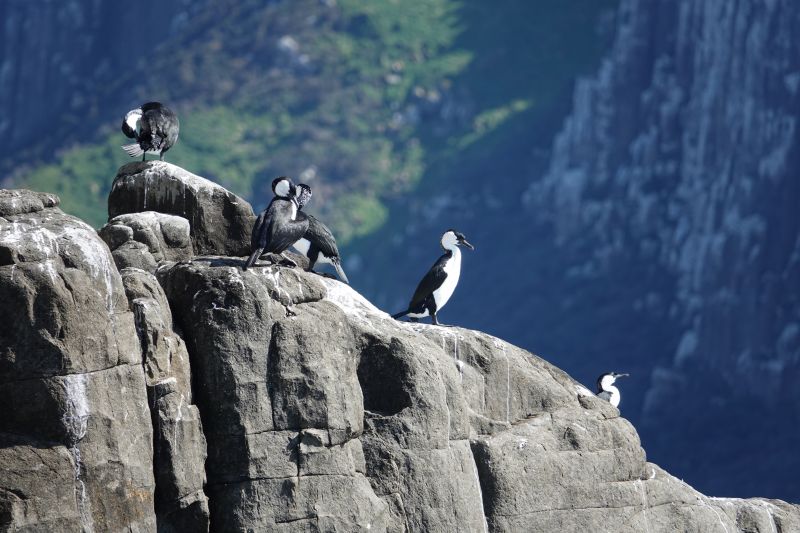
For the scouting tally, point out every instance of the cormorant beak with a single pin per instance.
(465, 243)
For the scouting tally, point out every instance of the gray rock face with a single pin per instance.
(141, 240)
(178, 440)
(280, 400)
(75, 433)
(294, 405)
(220, 222)
(310, 390)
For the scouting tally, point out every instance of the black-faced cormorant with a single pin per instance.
(319, 245)
(438, 285)
(606, 389)
(155, 128)
(277, 227)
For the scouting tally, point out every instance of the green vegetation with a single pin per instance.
(379, 97)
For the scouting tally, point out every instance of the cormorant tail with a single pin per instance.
(401, 314)
(253, 258)
(337, 264)
(133, 149)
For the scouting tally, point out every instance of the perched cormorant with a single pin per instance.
(606, 389)
(319, 245)
(277, 227)
(438, 285)
(155, 128)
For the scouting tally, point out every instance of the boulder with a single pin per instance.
(75, 433)
(282, 400)
(279, 398)
(141, 240)
(220, 222)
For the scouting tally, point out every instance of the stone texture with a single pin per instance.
(178, 441)
(320, 413)
(141, 240)
(30, 499)
(279, 398)
(220, 221)
(75, 435)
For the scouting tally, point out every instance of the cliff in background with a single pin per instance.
(180, 393)
(676, 173)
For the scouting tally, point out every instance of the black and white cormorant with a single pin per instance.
(438, 285)
(155, 128)
(278, 227)
(606, 389)
(319, 245)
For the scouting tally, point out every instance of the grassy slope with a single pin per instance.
(338, 106)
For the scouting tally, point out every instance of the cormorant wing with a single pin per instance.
(259, 233)
(432, 281)
(319, 235)
(606, 395)
(155, 125)
(279, 238)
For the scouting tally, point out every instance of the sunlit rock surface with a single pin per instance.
(282, 400)
(141, 240)
(220, 222)
(75, 433)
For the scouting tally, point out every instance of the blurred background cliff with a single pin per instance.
(628, 171)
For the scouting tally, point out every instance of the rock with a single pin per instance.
(321, 413)
(141, 240)
(22, 201)
(459, 427)
(220, 221)
(178, 440)
(268, 378)
(30, 498)
(75, 435)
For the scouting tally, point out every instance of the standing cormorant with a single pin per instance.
(606, 389)
(438, 285)
(155, 128)
(278, 227)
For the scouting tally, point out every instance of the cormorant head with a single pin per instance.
(608, 379)
(302, 195)
(452, 238)
(283, 187)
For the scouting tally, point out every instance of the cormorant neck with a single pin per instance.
(452, 248)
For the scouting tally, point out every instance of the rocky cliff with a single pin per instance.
(674, 179)
(190, 395)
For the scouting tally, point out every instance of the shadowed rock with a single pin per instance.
(178, 441)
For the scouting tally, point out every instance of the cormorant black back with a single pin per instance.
(278, 227)
(440, 282)
(155, 128)
(606, 389)
(318, 243)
